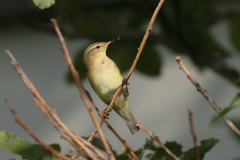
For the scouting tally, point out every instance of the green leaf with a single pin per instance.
(195, 6)
(236, 122)
(174, 147)
(24, 148)
(206, 145)
(79, 66)
(151, 145)
(150, 61)
(123, 54)
(98, 143)
(122, 157)
(160, 154)
(236, 101)
(42, 4)
(139, 153)
(233, 104)
(124, 154)
(138, 18)
(196, 33)
(18, 146)
(45, 154)
(234, 25)
(73, 151)
(237, 81)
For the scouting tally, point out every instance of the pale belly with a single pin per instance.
(105, 80)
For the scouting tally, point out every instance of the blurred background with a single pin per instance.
(204, 33)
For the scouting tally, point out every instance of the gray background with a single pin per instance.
(159, 103)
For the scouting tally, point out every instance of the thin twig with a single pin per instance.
(109, 126)
(86, 143)
(156, 138)
(45, 108)
(149, 28)
(204, 93)
(80, 88)
(56, 125)
(47, 147)
(190, 113)
(125, 80)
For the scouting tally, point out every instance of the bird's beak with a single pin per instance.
(105, 46)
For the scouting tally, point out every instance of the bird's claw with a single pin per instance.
(105, 114)
(125, 81)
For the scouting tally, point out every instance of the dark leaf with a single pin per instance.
(234, 25)
(197, 35)
(160, 153)
(150, 61)
(206, 145)
(195, 7)
(125, 155)
(236, 122)
(151, 145)
(98, 143)
(79, 66)
(18, 146)
(233, 104)
(124, 54)
(174, 147)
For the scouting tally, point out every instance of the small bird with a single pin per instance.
(105, 78)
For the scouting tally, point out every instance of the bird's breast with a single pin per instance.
(105, 79)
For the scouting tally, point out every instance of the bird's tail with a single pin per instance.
(132, 124)
(125, 112)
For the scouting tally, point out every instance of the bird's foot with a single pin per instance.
(125, 81)
(105, 114)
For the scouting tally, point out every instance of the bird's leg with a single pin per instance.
(105, 113)
(125, 82)
(127, 90)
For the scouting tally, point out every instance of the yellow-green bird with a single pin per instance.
(105, 78)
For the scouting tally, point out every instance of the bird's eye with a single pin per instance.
(97, 47)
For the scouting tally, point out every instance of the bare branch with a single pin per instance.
(190, 113)
(109, 126)
(156, 138)
(46, 109)
(47, 147)
(125, 80)
(81, 89)
(208, 98)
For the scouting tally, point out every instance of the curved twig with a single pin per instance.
(156, 138)
(47, 147)
(80, 88)
(190, 113)
(45, 108)
(109, 126)
(208, 98)
(125, 80)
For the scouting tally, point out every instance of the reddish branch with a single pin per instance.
(109, 126)
(190, 113)
(156, 138)
(47, 147)
(208, 98)
(50, 114)
(125, 80)
(81, 89)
